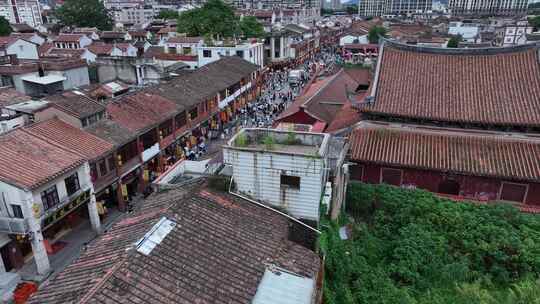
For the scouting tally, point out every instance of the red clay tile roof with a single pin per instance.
(471, 86)
(138, 33)
(184, 39)
(70, 137)
(325, 98)
(472, 153)
(140, 110)
(165, 30)
(6, 41)
(68, 38)
(345, 118)
(29, 162)
(9, 96)
(77, 53)
(112, 35)
(216, 253)
(75, 104)
(44, 48)
(100, 48)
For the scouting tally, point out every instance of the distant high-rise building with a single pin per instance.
(393, 7)
(487, 7)
(272, 4)
(25, 11)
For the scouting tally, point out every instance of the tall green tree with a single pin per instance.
(168, 14)
(454, 42)
(251, 27)
(377, 32)
(351, 9)
(84, 13)
(535, 22)
(217, 19)
(5, 28)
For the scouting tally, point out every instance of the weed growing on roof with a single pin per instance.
(241, 140)
(268, 142)
(409, 246)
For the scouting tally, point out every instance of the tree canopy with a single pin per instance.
(453, 42)
(412, 247)
(168, 14)
(251, 27)
(535, 22)
(84, 13)
(217, 19)
(5, 28)
(375, 33)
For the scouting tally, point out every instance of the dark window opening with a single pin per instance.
(102, 168)
(149, 139)
(180, 120)
(72, 183)
(391, 176)
(290, 181)
(93, 172)
(357, 171)
(165, 128)
(193, 113)
(513, 192)
(449, 186)
(240, 54)
(207, 53)
(49, 198)
(111, 162)
(17, 211)
(128, 151)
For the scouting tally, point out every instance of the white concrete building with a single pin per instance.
(40, 185)
(469, 32)
(183, 45)
(12, 45)
(286, 170)
(249, 51)
(350, 39)
(21, 11)
(133, 15)
(516, 34)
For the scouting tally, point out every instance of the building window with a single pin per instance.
(17, 211)
(357, 172)
(391, 176)
(240, 54)
(111, 163)
(180, 120)
(207, 53)
(513, 192)
(186, 50)
(102, 168)
(449, 186)
(193, 113)
(93, 171)
(289, 181)
(72, 183)
(172, 50)
(49, 198)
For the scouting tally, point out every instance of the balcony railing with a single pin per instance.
(13, 225)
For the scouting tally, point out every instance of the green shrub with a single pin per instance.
(409, 246)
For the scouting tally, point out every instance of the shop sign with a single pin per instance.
(124, 190)
(62, 212)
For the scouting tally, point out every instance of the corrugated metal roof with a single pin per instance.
(281, 287)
